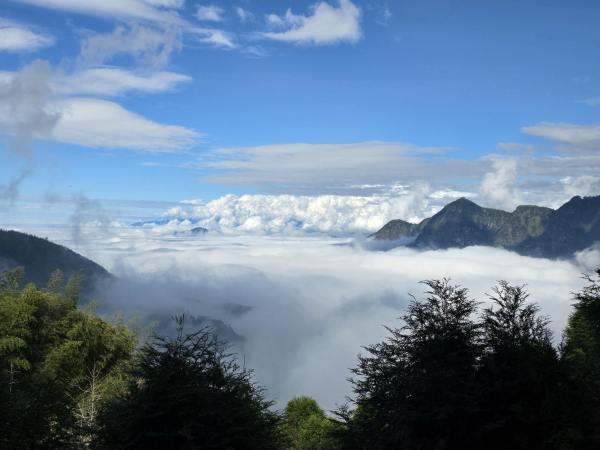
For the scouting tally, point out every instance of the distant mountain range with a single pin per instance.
(162, 222)
(529, 230)
(193, 232)
(41, 258)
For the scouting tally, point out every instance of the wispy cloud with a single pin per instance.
(150, 10)
(17, 37)
(592, 101)
(25, 107)
(210, 13)
(244, 15)
(150, 46)
(570, 138)
(112, 81)
(325, 24)
(218, 38)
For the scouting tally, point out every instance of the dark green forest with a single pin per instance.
(41, 257)
(454, 375)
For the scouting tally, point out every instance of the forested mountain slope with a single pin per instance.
(529, 230)
(41, 257)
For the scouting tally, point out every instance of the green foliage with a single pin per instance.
(525, 393)
(581, 353)
(416, 390)
(56, 362)
(447, 381)
(306, 426)
(188, 393)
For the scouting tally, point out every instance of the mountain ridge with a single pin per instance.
(528, 230)
(41, 257)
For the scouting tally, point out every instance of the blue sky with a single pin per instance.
(168, 100)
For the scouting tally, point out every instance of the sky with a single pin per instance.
(142, 104)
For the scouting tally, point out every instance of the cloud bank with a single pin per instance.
(289, 215)
(305, 305)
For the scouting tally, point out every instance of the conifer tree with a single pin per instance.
(188, 392)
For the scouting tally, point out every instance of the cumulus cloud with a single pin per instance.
(101, 123)
(15, 37)
(310, 302)
(210, 13)
(290, 215)
(570, 138)
(113, 81)
(498, 189)
(29, 110)
(326, 24)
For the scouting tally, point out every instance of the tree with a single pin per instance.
(417, 389)
(188, 392)
(581, 355)
(48, 350)
(525, 392)
(306, 426)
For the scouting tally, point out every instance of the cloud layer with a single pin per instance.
(289, 215)
(313, 302)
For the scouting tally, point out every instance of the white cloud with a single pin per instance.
(100, 123)
(217, 37)
(244, 14)
(135, 9)
(210, 13)
(333, 165)
(290, 215)
(113, 81)
(149, 46)
(16, 37)
(499, 189)
(584, 185)
(175, 4)
(29, 110)
(571, 139)
(325, 25)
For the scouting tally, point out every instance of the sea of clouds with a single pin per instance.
(301, 307)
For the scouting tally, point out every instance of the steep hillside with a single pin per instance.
(41, 257)
(396, 229)
(524, 223)
(571, 228)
